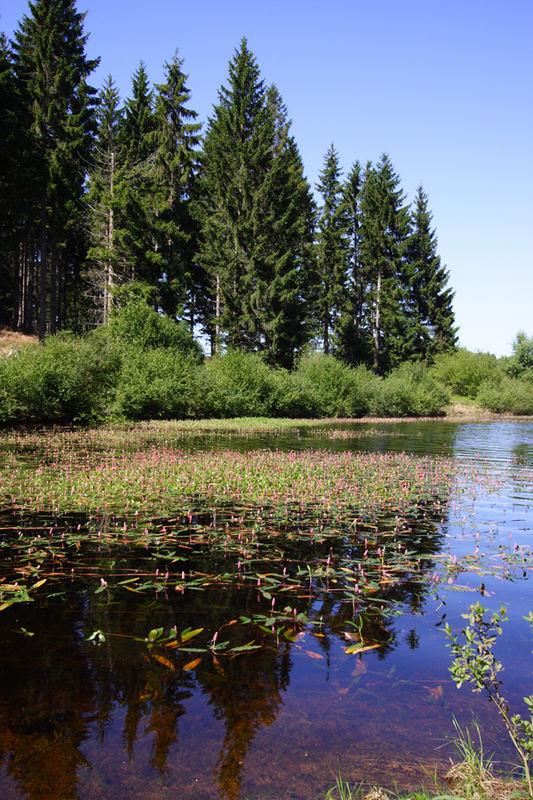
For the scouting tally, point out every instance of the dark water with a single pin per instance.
(120, 720)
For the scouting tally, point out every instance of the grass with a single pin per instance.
(11, 341)
(472, 777)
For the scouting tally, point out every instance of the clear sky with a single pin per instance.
(445, 87)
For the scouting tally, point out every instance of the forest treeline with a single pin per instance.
(105, 202)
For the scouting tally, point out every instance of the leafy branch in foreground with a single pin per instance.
(474, 662)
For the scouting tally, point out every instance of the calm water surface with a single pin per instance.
(114, 721)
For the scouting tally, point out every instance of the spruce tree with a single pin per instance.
(255, 214)
(103, 200)
(234, 160)
(332, 250)
(353, 332)
(434, 328)
(176, 140)
(14, 195)
(290, 215)
(143, 262)
(19, 199)
(52, 69)
(384, 232)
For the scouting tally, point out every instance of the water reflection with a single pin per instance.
(60, 690)
(78, 719)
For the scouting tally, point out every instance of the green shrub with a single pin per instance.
(66, 379)
(411, 390)
(520, 364)
(237, 384)
(138, 324)
(156, 384)
(333, 389)
(291, 398)
(463, 372)
(507, 395)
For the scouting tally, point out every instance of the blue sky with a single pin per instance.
(443, 86)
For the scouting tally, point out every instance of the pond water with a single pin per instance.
(313, 681)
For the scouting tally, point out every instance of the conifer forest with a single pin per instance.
(106, 199)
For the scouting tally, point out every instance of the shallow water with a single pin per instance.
(119, 719)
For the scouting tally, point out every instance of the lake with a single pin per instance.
(256, 650)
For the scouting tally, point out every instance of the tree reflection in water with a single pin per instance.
(60, 692)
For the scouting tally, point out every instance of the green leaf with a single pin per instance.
(189, 634)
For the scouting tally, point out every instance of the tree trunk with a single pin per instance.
(42, 277)
(217, 317)
(18, 300)
(53, 285)
(109, 276)
(377, 310)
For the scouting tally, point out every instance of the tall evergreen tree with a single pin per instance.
(106, 184)
(137, 139)
(332, 250)
(16, 151)
(384, 229)
(52, 68)
(352, 341)
(234, 160)
(252, 185)
(290, 214)
(176, 140)
(433, 328)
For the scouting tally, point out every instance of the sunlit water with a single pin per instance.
(112, 720)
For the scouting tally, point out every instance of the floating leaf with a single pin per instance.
(191, 664)
(189, 634)
(163, 660)
(244, 647)
(358, 648)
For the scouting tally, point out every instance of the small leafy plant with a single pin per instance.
(474, 662)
